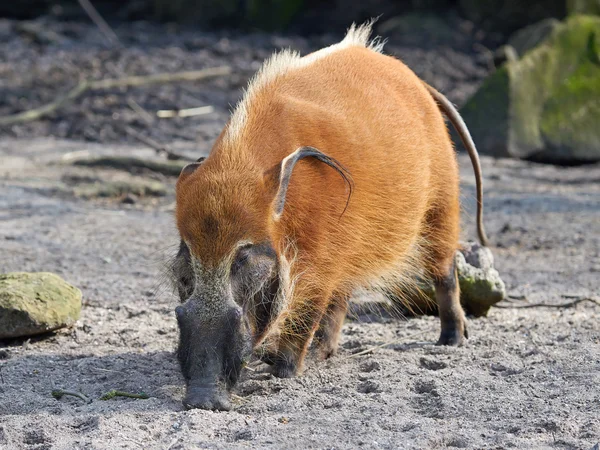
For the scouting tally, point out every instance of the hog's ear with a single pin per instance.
(279, 176)
(190, 168)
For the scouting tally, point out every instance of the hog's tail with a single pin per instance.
(459, 124)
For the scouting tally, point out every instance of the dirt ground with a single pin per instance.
(528, 378)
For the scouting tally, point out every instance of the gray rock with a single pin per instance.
(35, 303)
(480, 284)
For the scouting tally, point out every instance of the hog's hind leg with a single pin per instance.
(441, 244)
(447, 293)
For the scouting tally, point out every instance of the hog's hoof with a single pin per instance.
(284, 371)
(454, 333)
(452, 337)
(200, 398)
(284, 368)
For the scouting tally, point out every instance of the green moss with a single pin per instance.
(571, 113)
(486, 113)
(552, 95)
(583, 7)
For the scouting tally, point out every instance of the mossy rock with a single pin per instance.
(544, 106)
(583, 7)
(480, 285)
(532, 35)
(35, 303)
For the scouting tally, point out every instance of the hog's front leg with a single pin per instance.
(296, 335)
(328, 335)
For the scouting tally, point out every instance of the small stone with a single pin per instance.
(36, 303)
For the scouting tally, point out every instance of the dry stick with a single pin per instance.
(550, 305)
(240, 398)
(112, 83)
(145, 115)
(187, 112)
(114, 393)
(99, 22)
(385, 344)
(171, 155)
(150, 120)
(59, 393)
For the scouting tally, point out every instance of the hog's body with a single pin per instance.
(281, 246)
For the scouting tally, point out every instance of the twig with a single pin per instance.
(132, 164)
(550, 305)
(239, 398)
(114, 393)
(160, 148)
(59, 393)
(112, 83)
(385, 344)
(33, 114)
(188, 112)
(145, 115)
(99, 22)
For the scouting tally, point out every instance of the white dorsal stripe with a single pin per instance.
(286, 60)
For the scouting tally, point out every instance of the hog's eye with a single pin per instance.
(241, 259)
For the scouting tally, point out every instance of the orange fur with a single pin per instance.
(376, 117)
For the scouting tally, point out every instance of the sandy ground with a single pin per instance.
(528, 378)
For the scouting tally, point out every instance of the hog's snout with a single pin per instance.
(207, 398)
(212, 348)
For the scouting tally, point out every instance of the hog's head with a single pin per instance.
(227, 277)
(229, 274)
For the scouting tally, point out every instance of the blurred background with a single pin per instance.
(525, 74)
